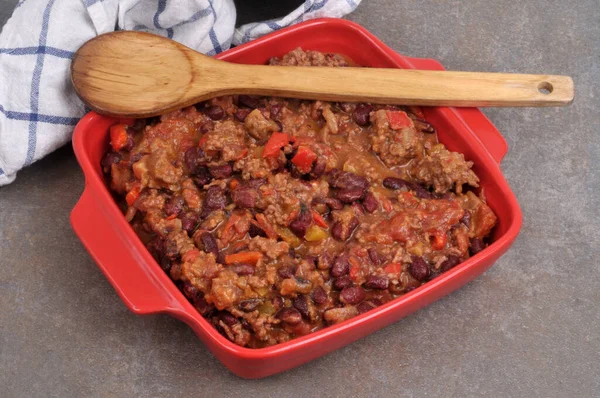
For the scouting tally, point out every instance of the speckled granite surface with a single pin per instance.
(528, 327)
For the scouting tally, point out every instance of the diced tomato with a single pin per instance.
(398, 120)
(243, 257)
(319, 220)
(118, 136)
(393, 268)
(233, 184)
(304, 159)
(275, 143)
(190, 256)
(133, 194)
(172, 216)
(439, 240)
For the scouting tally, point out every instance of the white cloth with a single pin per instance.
(38, 107)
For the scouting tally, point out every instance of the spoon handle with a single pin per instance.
(405, 87)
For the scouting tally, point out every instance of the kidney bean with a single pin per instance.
(221, 172)
(418, 269)
(242, 269)
(248, 101)
(287, 271)
(338, 233)
(130, 142)
(221, 258)
(291, 316)
(348, 180)
(174, 205)
(301, 223)
(244, 198)
(250, 305)
(318, 169)
(254, 230)
(361, 114)
(451, 262)
(396, 183)
(215, 112)
(373, 256)
(365, 306)
(324, 261)
(203, 307)
(377, 282)
(334, 204)
(228, 319)
(165, 264)
(352, 295)
(189, 220)
(246, 325)
(319, 295)
(370, 202)
(135, 157)
(421, 192)
(202, 176)
(156, 247)
(214, 200)
(301, 305)
(209, 243)
(194, 158)
(476, 245)
(294, 172)
(349, 195)
(341, 266)
(342, 282)
(466, 219)
(110, 158)
(190, 291)
(241, 113)
(278, 302)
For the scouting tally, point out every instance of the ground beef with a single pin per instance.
(278, 217)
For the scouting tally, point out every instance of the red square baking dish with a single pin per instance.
(146, 289)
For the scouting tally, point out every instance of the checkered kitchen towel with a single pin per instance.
(38, 107)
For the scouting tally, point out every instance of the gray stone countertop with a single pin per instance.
(528, 327)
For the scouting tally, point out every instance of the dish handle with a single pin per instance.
(478, 124)
(137, 285)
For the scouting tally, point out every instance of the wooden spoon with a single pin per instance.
(138, 74)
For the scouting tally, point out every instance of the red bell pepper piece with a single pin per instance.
(304, 159)
(439, 240)
(275, 143)
(393, 268)
(133, 194)
(398, 120)
(118, 136)
(243, 257)
(319, 220)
